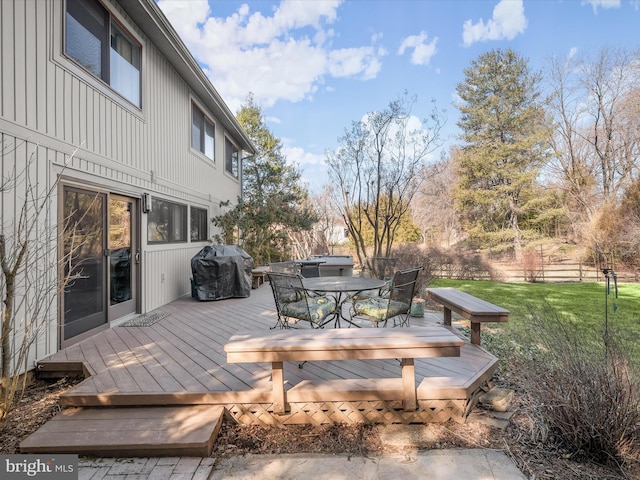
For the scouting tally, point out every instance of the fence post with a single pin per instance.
(580, 270)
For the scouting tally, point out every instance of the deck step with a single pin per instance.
(129, 432)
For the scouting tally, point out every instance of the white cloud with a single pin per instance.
(573, 51)
(298, 156)
(186, 20)
(422, 52)
(313, 169)
(508, 21)
(604, 4)
(283, 54)
(349, 62)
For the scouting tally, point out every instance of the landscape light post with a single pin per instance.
(609, 274)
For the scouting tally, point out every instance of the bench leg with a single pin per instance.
(447, 316)
(409, 385)
(475, 333)
(277, 379)
(257, 280)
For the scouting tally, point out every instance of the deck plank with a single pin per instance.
(182, 356)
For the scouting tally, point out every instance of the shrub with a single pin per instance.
(440, 264)
(410, 255)
(531, 264)
(587, 388)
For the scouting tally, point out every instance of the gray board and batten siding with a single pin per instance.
(60, 125)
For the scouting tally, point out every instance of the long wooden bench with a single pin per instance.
(475, 310)
(343, 344)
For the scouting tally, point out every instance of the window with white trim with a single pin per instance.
(103, 48)
(203, 132)
(232, 158)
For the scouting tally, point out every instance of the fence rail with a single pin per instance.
(550, 272)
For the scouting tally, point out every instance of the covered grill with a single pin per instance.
(221, 271)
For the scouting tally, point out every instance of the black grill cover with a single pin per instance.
(221, 271)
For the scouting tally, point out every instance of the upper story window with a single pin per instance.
(202, 133)
(231, 155)
(103, 48)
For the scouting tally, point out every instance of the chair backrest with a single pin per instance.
(284, 267)
(404, 284)
(286, 287)
(310, 271)
(381, 268)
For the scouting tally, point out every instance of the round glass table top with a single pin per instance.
(342, 284)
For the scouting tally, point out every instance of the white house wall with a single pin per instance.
(25, 171)
(88, 134)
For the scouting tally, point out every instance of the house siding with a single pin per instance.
(77, 130)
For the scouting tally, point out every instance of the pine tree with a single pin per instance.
(273, 205)
(503, 149)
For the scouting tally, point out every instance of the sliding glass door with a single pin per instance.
(101, 256)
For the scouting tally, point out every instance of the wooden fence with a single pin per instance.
(549, 273)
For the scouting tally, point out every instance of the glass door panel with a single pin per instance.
(122, 256)
(84, 305)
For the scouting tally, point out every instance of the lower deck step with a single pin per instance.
(129, 432)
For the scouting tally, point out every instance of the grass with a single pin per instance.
(585, 304)
(582, 392)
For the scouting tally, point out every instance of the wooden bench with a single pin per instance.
(343, 344)
(475, 310)
(258, 276)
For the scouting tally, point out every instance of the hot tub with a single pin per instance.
(335, 265)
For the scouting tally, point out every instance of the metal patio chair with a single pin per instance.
(396, 303)
(382, 268)
(294, 302)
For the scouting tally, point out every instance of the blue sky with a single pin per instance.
(315, 66)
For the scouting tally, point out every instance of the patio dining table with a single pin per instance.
(343, 289)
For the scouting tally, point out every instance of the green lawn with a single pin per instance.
(587, 304)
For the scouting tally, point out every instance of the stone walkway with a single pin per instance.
(162, 468)
(463, 464)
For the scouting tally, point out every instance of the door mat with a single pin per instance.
(145, 320)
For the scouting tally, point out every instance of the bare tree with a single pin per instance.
(611, 81)
(330, 226)
(376, 171)
(571, 169)
(29, 281)
(595, 106)
(433, 206)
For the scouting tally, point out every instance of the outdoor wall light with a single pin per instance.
(146, 203)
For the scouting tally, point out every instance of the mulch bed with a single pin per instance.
(538, 460)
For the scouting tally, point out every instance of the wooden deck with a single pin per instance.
(180, 361)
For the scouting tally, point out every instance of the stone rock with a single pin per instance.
(498, 399)
(489, 420)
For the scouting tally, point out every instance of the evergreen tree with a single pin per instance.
(273, 205)
(503, 131)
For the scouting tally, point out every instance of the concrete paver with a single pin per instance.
(431, 465)
(463, 464)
